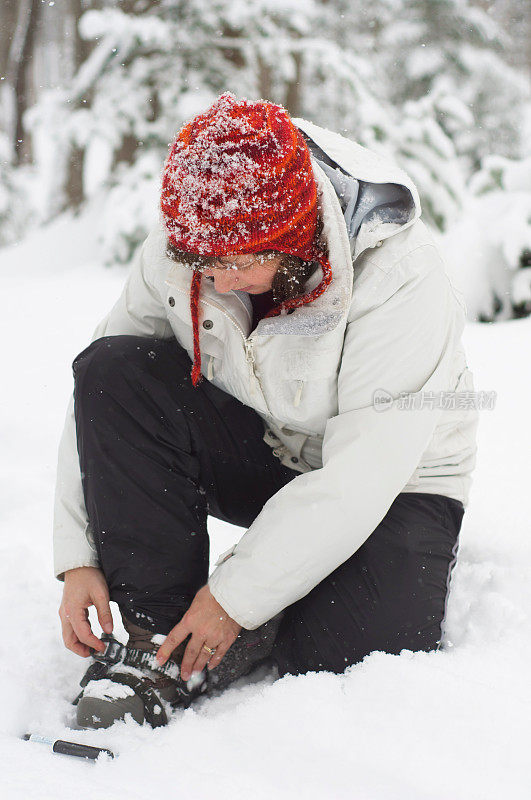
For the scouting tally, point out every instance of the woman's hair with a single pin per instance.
(289, 279)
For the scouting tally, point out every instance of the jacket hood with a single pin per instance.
(374, 199)
(377, 198)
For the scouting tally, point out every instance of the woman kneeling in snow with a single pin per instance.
(276, 359)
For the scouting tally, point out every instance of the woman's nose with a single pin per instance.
(224, 280)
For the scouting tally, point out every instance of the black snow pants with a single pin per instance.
(157, 456)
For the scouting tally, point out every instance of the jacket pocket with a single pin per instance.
(308, 374)
(454, 435)
(302, 365)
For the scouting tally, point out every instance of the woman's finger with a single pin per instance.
(221, 649)
(104, 613)
(78, 648)
(177, 635)
(203, 658)
(78, 620)
(71, 641)
(190, 656)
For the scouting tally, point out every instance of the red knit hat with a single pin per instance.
(238, 179)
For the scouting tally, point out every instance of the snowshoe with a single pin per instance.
(128, 680)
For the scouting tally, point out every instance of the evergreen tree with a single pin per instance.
(455, 49)
(422, 81)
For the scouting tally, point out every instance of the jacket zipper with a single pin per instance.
(254, 380)
(249, 357)
(247, 343)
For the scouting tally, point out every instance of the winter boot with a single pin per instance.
(128, 680)
(249, 650)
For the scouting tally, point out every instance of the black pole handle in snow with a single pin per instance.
(81, 750)
(69, 748)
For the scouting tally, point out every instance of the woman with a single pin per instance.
(284, 356)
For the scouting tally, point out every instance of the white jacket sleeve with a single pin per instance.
(138, 311)
(319, 519)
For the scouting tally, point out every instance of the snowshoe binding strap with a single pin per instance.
(116, 653)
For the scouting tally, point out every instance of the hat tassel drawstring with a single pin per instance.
(194, 311)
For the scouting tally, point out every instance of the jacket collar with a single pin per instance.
(325, 312)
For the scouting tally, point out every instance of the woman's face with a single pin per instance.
(246, 272)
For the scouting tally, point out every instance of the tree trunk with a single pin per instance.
(74, 189)
(293, 100)
(19, 54)
(265, 84)
(8, 21)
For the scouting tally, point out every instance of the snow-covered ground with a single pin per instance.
(452, 725)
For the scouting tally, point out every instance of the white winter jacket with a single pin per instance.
(333, 381)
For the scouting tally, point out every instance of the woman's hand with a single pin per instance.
(209, 625)
(84, 587)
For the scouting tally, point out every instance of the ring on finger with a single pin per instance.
(209, 650)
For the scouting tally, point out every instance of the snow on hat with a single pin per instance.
(239, 179)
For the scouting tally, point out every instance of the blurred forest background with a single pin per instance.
(92, 92)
